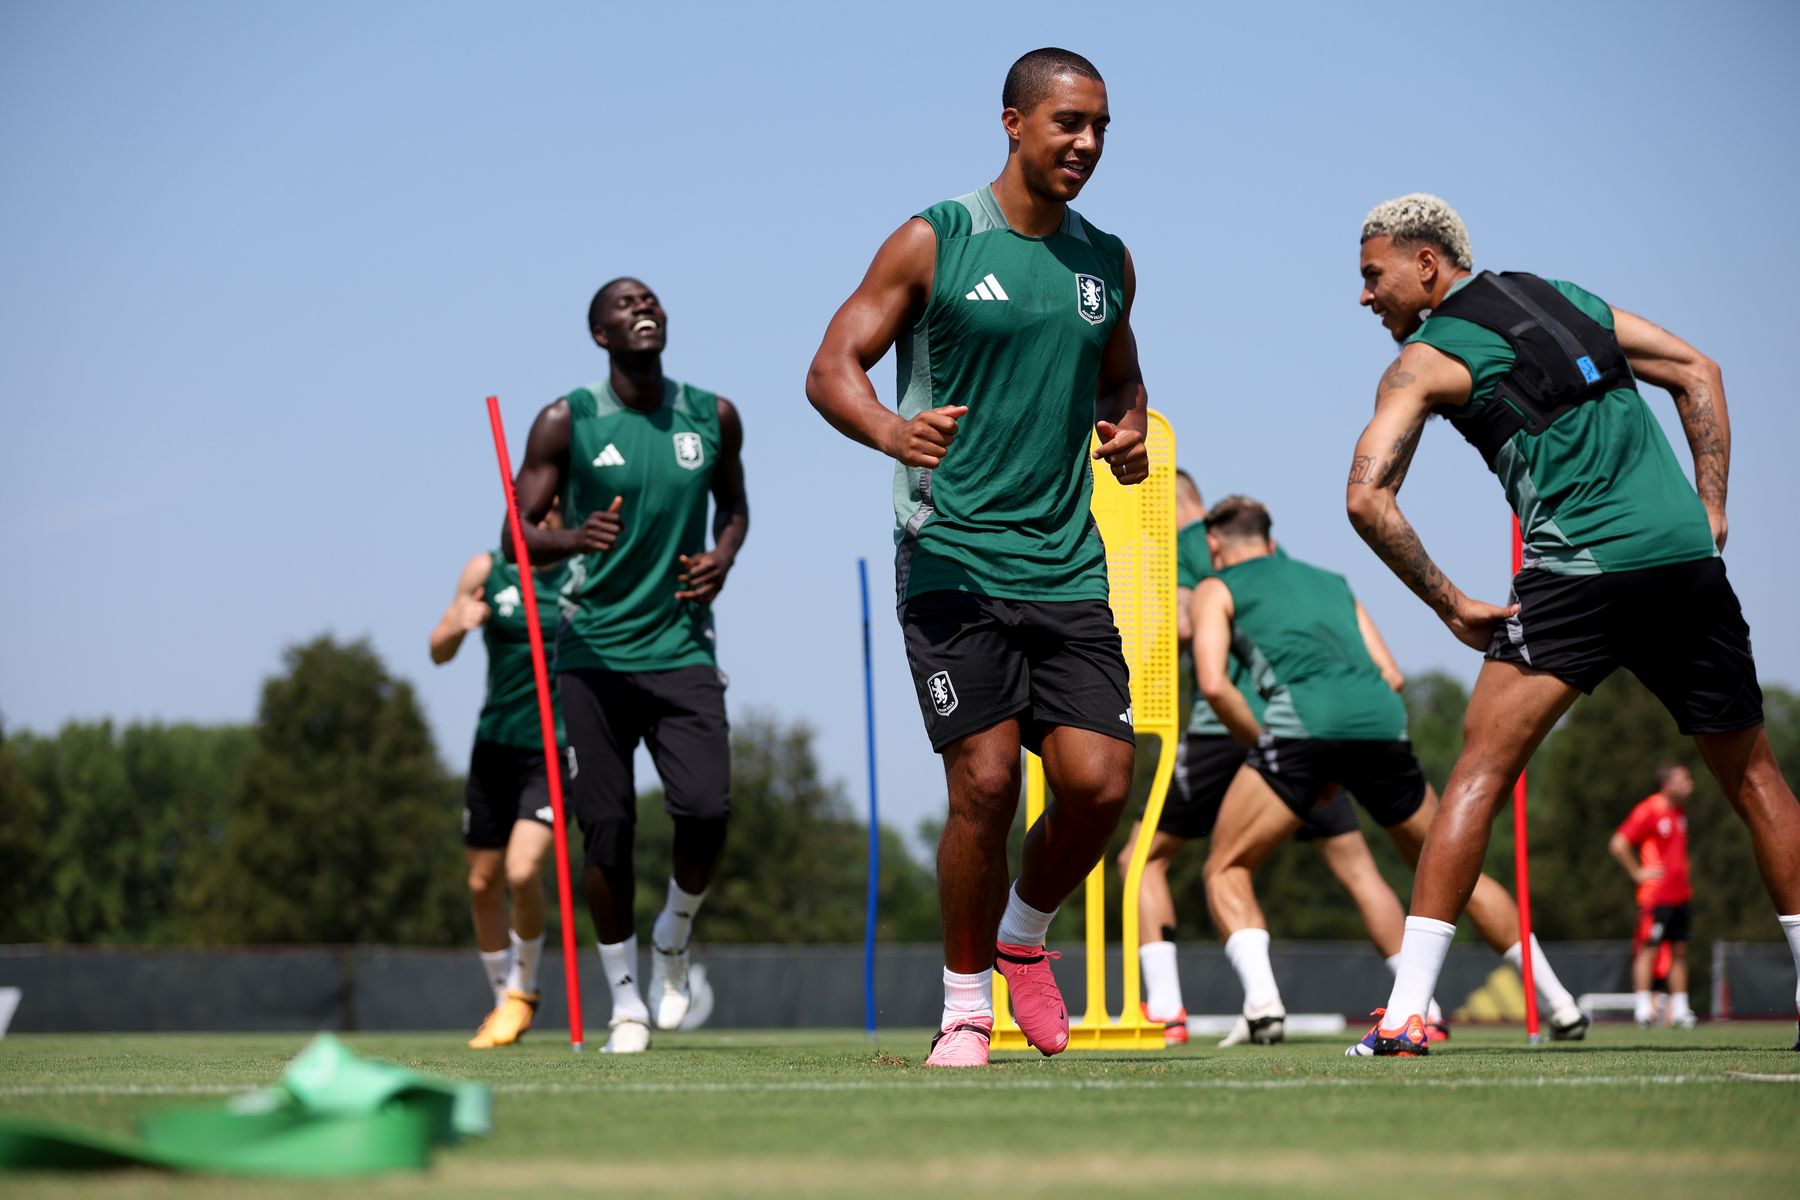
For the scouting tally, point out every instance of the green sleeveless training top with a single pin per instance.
(1193, 563)
(1600, 489)
(1295, 628)
(1014, 328)
(621, 613)
(509, 714)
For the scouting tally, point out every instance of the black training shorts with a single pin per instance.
(1664, 923)
(1205, 767)
(506, 784)
(1385, 777)
(678, 714)
(1678, 628)
(977, 661)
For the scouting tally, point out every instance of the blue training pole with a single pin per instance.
(862, 572)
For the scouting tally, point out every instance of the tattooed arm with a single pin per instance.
(1693, 380)
(1420, 379)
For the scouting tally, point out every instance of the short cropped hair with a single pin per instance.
(597, 304)
(1029, 79)
(1185, 485)
(1421, 217)
(1665, 771)
(1239, 518)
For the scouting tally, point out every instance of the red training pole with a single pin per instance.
(1522, 853)
(546, 724)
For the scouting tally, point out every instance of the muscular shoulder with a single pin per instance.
(475, 573)
(947, 219)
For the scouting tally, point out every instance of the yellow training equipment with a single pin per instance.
(1138, 526)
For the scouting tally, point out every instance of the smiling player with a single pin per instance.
(634, 458)
(1012, 315)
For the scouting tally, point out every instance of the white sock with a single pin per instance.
(527, 952)
(967, 996)
(1162, 984)
(1422, 952)
(1643, 1006)
(1678, 1004)
(1248, 950)
(1791, 927)
(497, 965)
(675, 923)
(1549, 988)
(620, 962)
(1433, 1014)
(1023, 925)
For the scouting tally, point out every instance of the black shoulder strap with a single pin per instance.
(1561, 356)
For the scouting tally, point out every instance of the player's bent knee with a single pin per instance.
(700, 838)
(982, 791)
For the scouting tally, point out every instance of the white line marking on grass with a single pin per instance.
(1021, 1085)
(1752, 1077)
(128, 1089)
(986, 1085)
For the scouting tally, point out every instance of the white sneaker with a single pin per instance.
(669, 992)
(1684, 1020)
(701, 993)
(630, 1035)
(1264, 1027)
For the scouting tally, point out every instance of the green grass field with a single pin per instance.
(811, 1113)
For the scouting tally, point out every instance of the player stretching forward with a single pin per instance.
(1657, 829)
(1333, 716)
(506, 815)
(1621, 560)
(1012, 316)
(1205, 763)
(635, 457)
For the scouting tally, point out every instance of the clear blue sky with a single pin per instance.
(260, 265)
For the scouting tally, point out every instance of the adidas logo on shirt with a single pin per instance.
(988, 289)
(609, 457)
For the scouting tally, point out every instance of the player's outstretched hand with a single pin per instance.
(1125, 451)
(704, 574)
(923, 441)
(469, 612)
(1474, 623)
(602, 529)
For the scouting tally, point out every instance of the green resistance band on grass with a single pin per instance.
(332, 1114)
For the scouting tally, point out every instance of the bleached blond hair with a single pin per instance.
(1421, 217)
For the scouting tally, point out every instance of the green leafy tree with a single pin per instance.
(343, 828)
(22, 862)
(796, 859)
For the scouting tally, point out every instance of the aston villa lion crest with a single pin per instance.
(687, 450)
(1090, 298)
(943, 695)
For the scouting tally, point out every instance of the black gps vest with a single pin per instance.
(1562, 357)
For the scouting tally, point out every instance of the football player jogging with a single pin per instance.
(506, 806)
(1205, 764)
(1622, 565)
(1332, 716)
(634, 458)
(1657, 830)
(1012, 317)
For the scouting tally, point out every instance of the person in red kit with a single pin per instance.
(1651, 844)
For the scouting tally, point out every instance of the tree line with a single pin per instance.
(331, 819)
